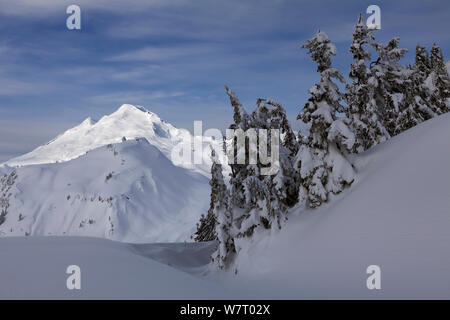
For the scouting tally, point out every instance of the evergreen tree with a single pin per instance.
(418, 102)
(413, 109)
(389, 79)
(363, 115)
(422, 101)
(441, 80)
(320, 159)
(206, 228)
(422, 61)
(269, 115)
(260, 201)
(320, 110)
(221, 215)
(238, 170)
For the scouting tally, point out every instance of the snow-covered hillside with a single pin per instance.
(396, 216)
(127, 191)
(128, 121)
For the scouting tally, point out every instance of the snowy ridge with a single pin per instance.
(127, 191)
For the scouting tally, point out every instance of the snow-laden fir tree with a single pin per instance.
(260, 200)
(414, 106)
(422, 61)
(206, 227)
(362, 112)
(238, 170)
(440, 79)
(419, 103)
(249, 196)
(389, 78)
(325, 101)
(217, 225)
(321, 158)
(269, 114)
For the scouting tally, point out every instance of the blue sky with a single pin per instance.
(175, 56)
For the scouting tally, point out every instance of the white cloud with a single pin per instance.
(132, 97)
(42, 8)
(163, 53)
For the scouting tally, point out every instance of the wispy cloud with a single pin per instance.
(132, 97)
(41, 8)
(163, 53)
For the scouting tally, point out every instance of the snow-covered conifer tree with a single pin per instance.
(269, 114)
(440, 79)
(422, 61)
(418, 100)
(363, 115)
(218, 223)
(260, 201)
(206, 227)
(238, 170)
(412, 107)
(321, 158)
(389, 79)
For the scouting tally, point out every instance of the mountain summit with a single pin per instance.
(128, 121)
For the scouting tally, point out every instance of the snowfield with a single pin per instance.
(35, 268)
(396, 215)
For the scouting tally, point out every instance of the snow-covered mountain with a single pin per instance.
(128, 121)
(128, 191)
(396, 216)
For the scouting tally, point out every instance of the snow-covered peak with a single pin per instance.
(88, 122)
(129, 110)
(128, 121)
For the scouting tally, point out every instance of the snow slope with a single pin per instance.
(396, 216)
(128, 121)
(35, 268)
(127, 191)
